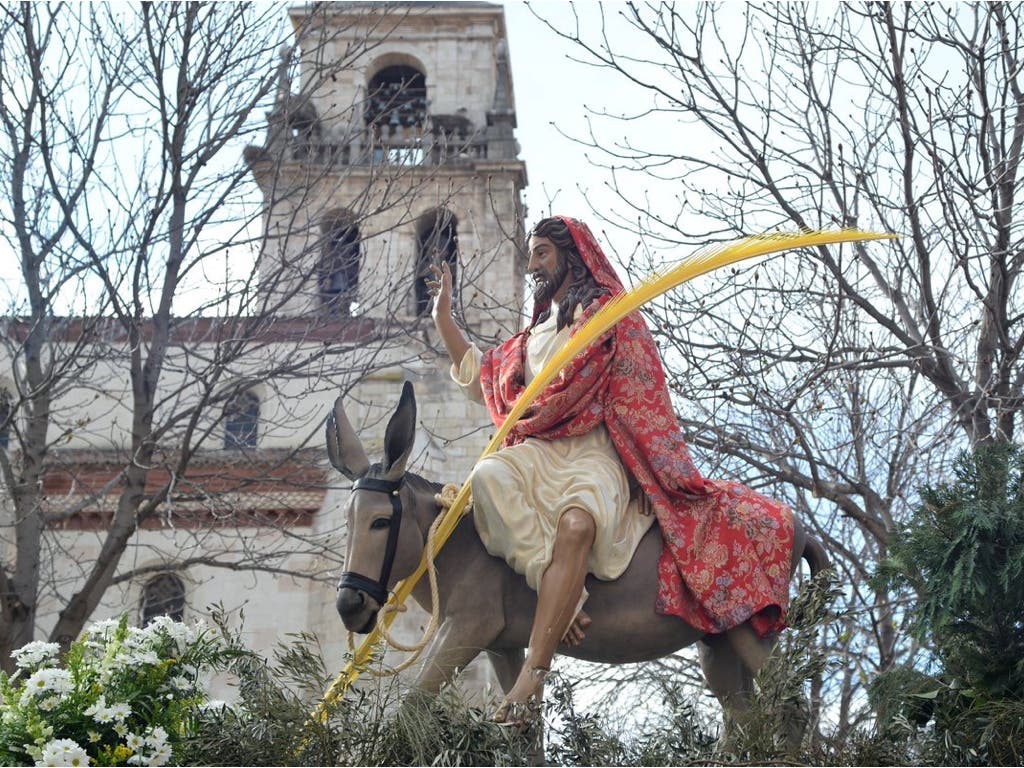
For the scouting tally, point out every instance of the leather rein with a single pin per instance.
(378, 589)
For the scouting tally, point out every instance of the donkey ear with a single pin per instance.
(400, 434)
(344, 448)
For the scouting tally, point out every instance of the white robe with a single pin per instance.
(520, 492)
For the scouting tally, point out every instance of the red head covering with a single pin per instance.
(594, 259)
(619, 381)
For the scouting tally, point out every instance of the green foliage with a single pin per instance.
(580, 738)
(270, 723)
(962, 552)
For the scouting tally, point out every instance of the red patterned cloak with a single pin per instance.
(727, 548)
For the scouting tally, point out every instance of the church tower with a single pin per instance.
(391, 147)
(394, 147)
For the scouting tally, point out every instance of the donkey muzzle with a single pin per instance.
(356, 608)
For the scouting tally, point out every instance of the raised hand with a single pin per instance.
(441, 289)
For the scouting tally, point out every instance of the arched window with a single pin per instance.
(396, 113)
(339, 265)
(241, 419)
(397, 97)
(6, 414)
(438, 241)
(163, 595)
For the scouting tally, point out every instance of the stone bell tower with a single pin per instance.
(390, 147)
(395, 146)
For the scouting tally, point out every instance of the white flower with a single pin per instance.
(157, 737)
(63, 752)
(101, 713)
(49, 703)
(182, 635)
(135, 742)
(136, 656)
(98, 711)
(160, 756)
(180, 682)
(121, 729)
(55, 681)
(102, 630)
(33, 654)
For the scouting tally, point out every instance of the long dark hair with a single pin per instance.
(583, 288)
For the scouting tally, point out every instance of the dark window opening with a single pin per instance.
(397, 99)
(339, 268)
(438, 243)
(241, 417)
(6, 414)
(163, 595)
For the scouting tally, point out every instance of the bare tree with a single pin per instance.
(846, 377)
(176, 270)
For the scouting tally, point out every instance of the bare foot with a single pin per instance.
(577, 630)
(522, 705)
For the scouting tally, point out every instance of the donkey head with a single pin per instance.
(381, 550)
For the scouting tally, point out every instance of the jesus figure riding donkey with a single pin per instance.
(592, 527)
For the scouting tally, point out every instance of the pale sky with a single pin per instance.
(552, 93)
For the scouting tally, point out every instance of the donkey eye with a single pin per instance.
(379, 523)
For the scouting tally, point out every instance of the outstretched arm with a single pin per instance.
(441, 289)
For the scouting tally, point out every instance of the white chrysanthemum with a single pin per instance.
(135, 741)
(102, 630)
(181, 682)
(63, 752)
(160, 756)
(156, 738)
(33, 654)
(137, 657)
(183, 635)
(49, 703)
(99, 711)
(165, 625)
(46, 681)
(102, 713)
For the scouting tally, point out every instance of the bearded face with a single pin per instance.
(547, 279)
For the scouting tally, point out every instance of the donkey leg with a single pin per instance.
(753, 652)
(507, 666)
(731, 683)
(752, 649)
(454, 646)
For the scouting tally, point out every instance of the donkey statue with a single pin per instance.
(484, 605)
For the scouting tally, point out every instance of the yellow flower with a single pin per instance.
(121, 752)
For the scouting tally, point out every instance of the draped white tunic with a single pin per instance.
(521, 492)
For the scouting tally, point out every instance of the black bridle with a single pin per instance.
(378, 590)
